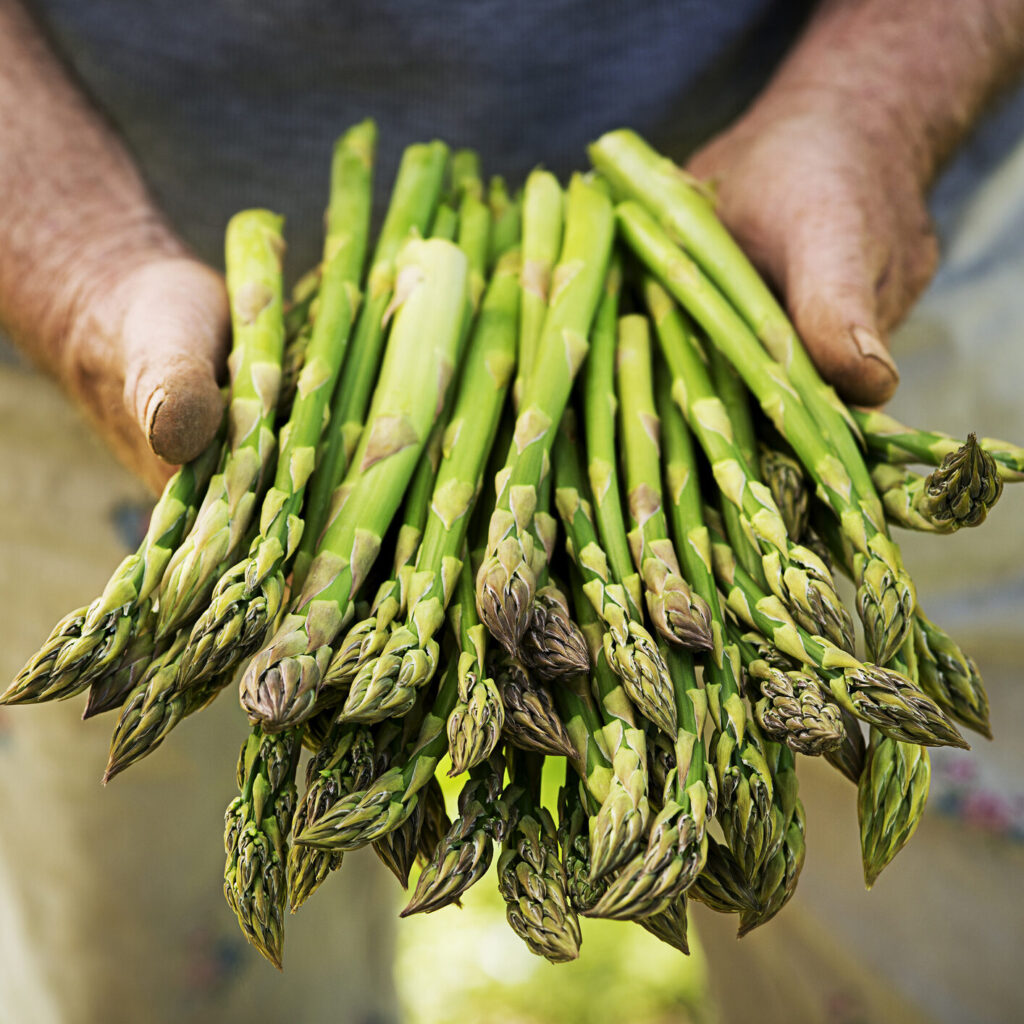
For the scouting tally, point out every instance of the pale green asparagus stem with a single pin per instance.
(885, 595)
(249, 596)
(280, 685)
(506, 582)
(794, 573)
(414, 199)
(253, 251)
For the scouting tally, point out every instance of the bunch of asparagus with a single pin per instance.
(645, 601)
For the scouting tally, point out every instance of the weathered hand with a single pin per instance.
(826, 200)
(141, 356)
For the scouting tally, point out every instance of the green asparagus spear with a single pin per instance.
(506, 581)
(281, 684)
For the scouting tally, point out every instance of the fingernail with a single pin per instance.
(870, 347)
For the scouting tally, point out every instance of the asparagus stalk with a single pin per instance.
(414, 199)
(408, 660)
(253, 251)
(366, 815)
(777, 879)
(891, 441)
(686, 209)
(794, 573)
(532, 881)
(654, 880)
(255, 838)
(785, 479)
(892, 790)
(90, 642)
(399, 848)
(670, 925)
(599, 413)
(542, 238)
(464, 854)
(531, 722)
(876, 695)
(630, 651)
(619, 826)
(506, 220)
(345, 763)
(949, 677)
(960, 492)
(679, 615)
(249, 596)
(790, 704)
(573, 839)
(475, 724)
(280, 685)
(506, 582)
(737, 750)
(721, 885)
(885, 593)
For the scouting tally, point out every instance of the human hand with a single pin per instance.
(826, 199)
(141, 355)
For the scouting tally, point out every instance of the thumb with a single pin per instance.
(175, 334)
(832, 298)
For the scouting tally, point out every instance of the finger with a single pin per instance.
(831, 291)
(175, 339)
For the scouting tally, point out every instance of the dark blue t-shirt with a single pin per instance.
(232, 103)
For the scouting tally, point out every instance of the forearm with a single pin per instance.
(76, 214)
(920, 71)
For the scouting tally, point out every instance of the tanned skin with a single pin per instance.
(823, 181)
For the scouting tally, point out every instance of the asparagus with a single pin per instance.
(575, 845)
(599, 412)
(687, 211)
(532, 881)
(876, 695)
(885, 593)
(790, 705)
(531, 722)
(255, 838)
(249, 596)
(679, 615)
(778, 877)
(464, 854)
(629, 649)
(253, 251)
(892, 791)
(542, 237)
(475, 723)
(414, 198)
(506, 581)
(552, 645)
(794, 573)
(91, 640)
(721, 885)
(435, 824)
(506, 220)
(676, 850)
(958, 493)
(399, 848)
(405, 663)
(619, 826)
(949, 677)
(346, 762)
(110, 690)
(364, 816)
(785, 479)
(891, 441)
(280, 686)
(737, 751)
(670, 925)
